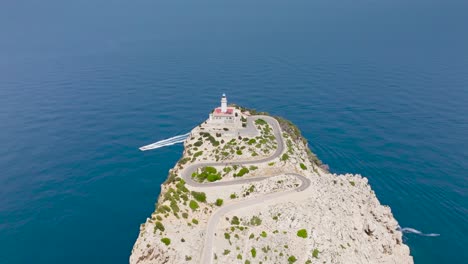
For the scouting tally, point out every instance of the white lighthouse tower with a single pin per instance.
(224, 114)
(224, 103)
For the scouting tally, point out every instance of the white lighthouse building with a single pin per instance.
(224, 114)
(224, 104)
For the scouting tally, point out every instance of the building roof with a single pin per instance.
(229, 111)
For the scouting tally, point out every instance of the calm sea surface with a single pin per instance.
(379, 88)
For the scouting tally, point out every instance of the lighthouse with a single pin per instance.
(224, 114)
(224, 103)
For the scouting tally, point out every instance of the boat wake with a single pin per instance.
(409, 230)
(166, 142)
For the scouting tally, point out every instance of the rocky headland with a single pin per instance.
(251, 191)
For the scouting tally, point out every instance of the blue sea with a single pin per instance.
(378, 88)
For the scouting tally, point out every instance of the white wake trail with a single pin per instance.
(166, 142)
(417, 232)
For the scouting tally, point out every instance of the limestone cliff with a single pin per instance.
(253, 192)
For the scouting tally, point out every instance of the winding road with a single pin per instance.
(186, 173)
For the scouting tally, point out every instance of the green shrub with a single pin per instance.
(254, 252)
(302, 233)
(166, 241)
(226, 251)
(197, 154)
(255, 221)
(185, 215)
(213, 177)
(184, 160)
(158, 226)
(252, 141)
(174, 206)
(303, 166)
(253, 167)
(352, 183)
(292, 259)
(239, 152)
(219, 202)
(199, 196)
(235, 221)
(263, 234)
(193, 205)
(239, 256)
(260, 122)
(251, 236)
(227, 236)
(195, 221)
(242, 172)
(198, 143)
(284, 157)
(315, 253)
(233, 196)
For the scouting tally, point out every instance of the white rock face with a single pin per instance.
(336, 219)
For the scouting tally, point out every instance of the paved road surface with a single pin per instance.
(207, 253)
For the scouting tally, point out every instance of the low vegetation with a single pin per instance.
(253, 251)
(199, 196)
(292, 259)
(242, 172)
(303, 166)
(159, 226)
(255, 221)
(302, 233)
(207, 173)
(315, 253)
(166, 241)
(193, 205)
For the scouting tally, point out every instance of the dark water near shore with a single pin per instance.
(379, 88)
